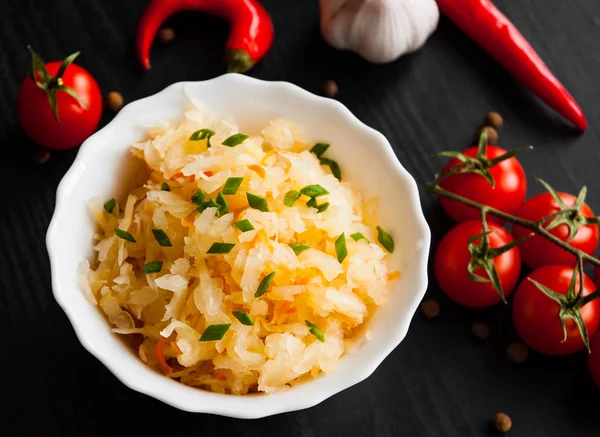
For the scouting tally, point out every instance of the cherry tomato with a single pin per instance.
(507, 194)
(77, 122)
(594, 360)
(537, 251)
(452, 259)
(536, 316)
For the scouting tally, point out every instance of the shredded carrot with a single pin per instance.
(178, 175)
(219, 375)
(208, 173)
(187, 224)
(258, 169)
(283, 308)
(160, 356)
(175, 347)
(394, 275)
(192, 178)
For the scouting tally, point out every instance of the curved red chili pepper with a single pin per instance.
(490, 28)
(251, 33)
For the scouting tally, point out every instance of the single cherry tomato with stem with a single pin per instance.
(552, 313)
(486, 174)
(576, 226)
(59, 104)
(464, 264)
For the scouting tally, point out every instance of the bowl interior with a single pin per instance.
(105, 168)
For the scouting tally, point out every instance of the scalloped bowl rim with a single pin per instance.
(143, 379)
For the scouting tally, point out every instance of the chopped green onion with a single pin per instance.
(319, 148)
(110, 205)
(220, 248)
(291, 197)
(257, 202)
(232, 185)
(223, 205)
(334, 166)
(201, 135)
(215, 332)
(152, 267)
(298, 248)
(340, 248)
(165, 187)
(162, 238)
(244, 318)
(124, 235)
(322, 207)
(234, 140)
(264, 284)
(358, 236)
(314, 191)
(244, 225)
(198, 197)
(312, 203)
(314, 330)
(208, 204)
(385, 239)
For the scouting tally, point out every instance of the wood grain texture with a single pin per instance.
(438, 382)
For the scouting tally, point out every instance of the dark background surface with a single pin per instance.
(438, 382)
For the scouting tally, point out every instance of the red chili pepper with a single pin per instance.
(490, 28)
(251, 33)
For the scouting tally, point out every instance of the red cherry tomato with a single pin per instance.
(507, 194)
(594, 360)
(537, 251)
(77, 122)
(536, 316)
(452, 259)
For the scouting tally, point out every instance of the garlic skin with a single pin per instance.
(378, 30)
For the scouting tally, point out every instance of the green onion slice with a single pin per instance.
(110, 205)
(232, 185)
(298, 248)
(165, 187)
(291, 197)
(234, 140)
(314, 191)
(124, 235)
(220, 248)
(152, 267)
(162, 238)
(334, 166)
(322, 207)
(198, 197)
(244, 318)
(223, 205)
(215, 332)
(244, 225)
(319, 148)
(358, 236)
(257, 202)
(314, 330)
(385, 239)
(340, 248)
(264, 284)
(201, 135)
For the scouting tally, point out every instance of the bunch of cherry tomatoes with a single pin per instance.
(536, 316)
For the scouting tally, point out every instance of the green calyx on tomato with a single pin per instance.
(479, 164)
(53, 84)
(570, 302)
(482, 256)
(569, 216)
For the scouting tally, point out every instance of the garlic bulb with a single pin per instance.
(378, 30)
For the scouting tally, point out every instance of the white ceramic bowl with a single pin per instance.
(366, 158)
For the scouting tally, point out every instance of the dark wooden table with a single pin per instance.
(438, 382)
